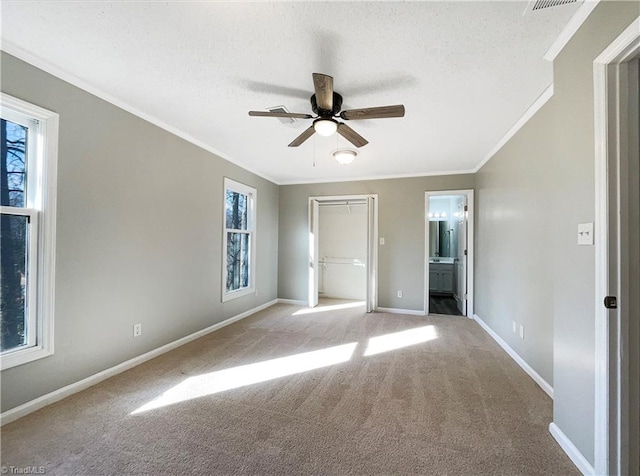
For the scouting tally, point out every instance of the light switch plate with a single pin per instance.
(585, 234)
(382, 241)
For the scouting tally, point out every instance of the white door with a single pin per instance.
(461, 265)
(313, 252)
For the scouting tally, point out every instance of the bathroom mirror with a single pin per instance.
(442, 239)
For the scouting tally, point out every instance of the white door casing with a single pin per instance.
(469, 225)
(314, 209)
(461, 265)
(372, 248)
(616, 153)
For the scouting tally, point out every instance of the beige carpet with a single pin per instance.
(434, 395)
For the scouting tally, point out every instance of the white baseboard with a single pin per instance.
(292, 301)
(572, 452)
(392, 310)
(56, 395)
(544, 385)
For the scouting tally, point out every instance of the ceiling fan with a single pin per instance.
(327, 104)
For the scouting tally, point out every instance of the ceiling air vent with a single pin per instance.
(535, 5)
(284, 120)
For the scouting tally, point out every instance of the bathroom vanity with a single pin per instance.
(441, 275)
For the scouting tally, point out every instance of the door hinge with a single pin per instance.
(611, 302)
(466, 208)
(465, 252)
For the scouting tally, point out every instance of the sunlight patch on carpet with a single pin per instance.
(335, 307)
(398, 340)
(222, 380)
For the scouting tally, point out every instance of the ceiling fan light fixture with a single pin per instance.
(344, 156)
(325, 127)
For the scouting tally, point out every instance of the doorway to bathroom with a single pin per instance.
(342, 252)
(449, 252)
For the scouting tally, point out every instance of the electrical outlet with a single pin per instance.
(137, 330)
(514, 326)
(521, 331)
(382, 241)
(399, 294)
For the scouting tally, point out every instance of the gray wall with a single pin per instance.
(139, 236)
(531, 196)
(401, 219)
(514, 243)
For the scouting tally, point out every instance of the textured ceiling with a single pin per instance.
(465, 71)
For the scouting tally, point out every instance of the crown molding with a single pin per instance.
(570, 29)
(59, 73)
(362, 178)
(528, 114)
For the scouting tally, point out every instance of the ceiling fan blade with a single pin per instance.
(323, 86)
(302, 137)
(373, 112)
(280, 114)
(351, 135)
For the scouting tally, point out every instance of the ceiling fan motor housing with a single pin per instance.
(337, 106)
(331, 102)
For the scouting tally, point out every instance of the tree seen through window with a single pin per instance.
(13, 235)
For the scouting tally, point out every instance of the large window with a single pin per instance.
(239, 240)
(28, 157)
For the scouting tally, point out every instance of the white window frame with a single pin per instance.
(40, 207)
(252, 194)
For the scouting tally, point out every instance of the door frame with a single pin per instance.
(612, 110)
(468, 193)
(371, 264)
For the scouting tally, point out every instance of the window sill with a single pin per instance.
(23, 356)
(237, 294)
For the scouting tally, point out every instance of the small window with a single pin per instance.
(239, 240)
(28, 157)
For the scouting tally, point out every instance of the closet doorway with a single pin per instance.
(449, 252)
(342, 252)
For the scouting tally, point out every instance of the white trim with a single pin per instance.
(570, 29)
(313, 272)
(252, 216)
(601, 233)
(47, 234)
(361, 178)
(528, 114)
(542, 383)
(293, 302)
(607, 359)
(45, 166)
(393, 310)
(57, 395)
(469, 193)
(372, 255)
(623, 47)
(572, 452)
(44, 65)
